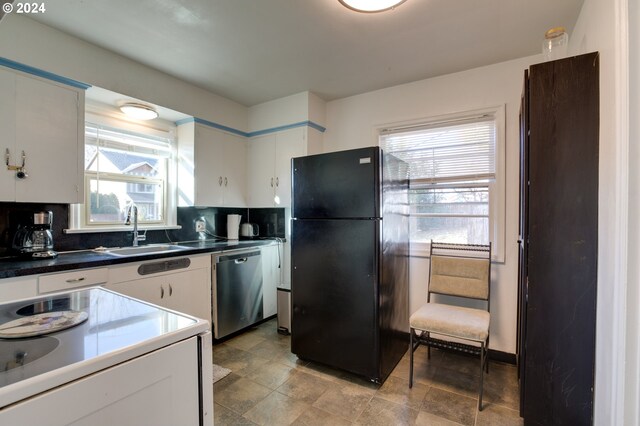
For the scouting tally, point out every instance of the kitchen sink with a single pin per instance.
(141, 250)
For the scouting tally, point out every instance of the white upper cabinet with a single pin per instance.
(45, 121)
(212, 170)
(234, 170)
(260, 168)
(269, 166)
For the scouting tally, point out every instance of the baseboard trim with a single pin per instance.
(494, 355)
(500, 356)
(243, 330)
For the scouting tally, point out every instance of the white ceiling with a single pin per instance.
(252, 51)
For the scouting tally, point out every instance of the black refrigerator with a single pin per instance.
(350, 261)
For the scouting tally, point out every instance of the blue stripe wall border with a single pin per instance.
(252, 134)
(211, 124)
(42, 73)
(74, 83)
(287, 127)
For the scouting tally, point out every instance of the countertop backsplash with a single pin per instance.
(271, 222)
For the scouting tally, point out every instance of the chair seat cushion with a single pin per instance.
(454, 321)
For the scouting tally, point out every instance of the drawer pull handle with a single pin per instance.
(161, 292)
(75, 280)
(170, 290)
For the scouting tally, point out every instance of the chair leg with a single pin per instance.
(482, 359)
(428, 348)
(410, 358)
(487, 360)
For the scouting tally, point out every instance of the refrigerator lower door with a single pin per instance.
(334, 291)
(284, 311)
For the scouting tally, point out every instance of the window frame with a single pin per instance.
(97, 114)
(497, 186)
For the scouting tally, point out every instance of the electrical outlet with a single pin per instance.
(201, 225)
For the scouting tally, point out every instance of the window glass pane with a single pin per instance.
(454, 215)
(462, 230)
(107, 160)
(109, 200)
(468, 201)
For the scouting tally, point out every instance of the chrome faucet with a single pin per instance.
(133, 209)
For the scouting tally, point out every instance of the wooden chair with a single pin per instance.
(461, 270)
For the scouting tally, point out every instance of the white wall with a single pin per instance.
(632, 371)
(29, 42)
(601, 27)
(279, 112)
(351, 123)
(303, 106)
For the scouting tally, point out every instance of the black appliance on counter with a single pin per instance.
(34, 239)
(350, 260)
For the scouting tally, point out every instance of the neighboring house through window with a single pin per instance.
(456, 177)
(122, 168)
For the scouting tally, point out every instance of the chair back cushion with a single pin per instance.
(459, 276)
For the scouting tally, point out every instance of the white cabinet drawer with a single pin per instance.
(72, 279)
(130, 271)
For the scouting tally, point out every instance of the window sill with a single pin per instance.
(423, 250)
(122, 228)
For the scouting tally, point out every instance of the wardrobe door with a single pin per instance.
(523, 235)
(563, 235)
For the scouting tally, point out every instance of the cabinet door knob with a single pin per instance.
(272, 182)
(161, 292)
(220, 181)
(225, 181)
(277, 182)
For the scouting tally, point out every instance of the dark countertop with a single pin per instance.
(15, 267)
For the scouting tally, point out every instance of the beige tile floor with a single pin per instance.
(271, 386)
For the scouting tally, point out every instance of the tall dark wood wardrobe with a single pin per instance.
(559, 125)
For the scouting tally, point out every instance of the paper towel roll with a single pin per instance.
(233, 226)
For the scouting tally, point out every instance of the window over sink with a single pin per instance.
(126, 163)
(122, 168)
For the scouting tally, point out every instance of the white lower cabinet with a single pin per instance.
(160, 388)
(18, 288)
(271, 277)
(186, 290)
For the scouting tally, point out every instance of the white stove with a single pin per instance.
(120, 335)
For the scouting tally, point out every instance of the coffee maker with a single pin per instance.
(34, 239)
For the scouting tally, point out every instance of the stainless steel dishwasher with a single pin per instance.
(237, 291)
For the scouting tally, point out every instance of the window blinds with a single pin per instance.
(460, 150)
(106, 137)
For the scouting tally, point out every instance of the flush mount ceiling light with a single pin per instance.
(139, 111)
(370, 6)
